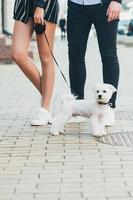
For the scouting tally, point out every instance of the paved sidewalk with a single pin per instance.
(75, 166)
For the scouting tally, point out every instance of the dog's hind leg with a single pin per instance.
(54, 128)
(59, 122)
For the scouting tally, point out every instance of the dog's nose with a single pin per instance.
(99, 96)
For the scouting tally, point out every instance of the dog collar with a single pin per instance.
(101, 103)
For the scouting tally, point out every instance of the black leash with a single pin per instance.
(56, 60)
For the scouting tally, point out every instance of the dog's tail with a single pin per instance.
(59, 99)
(69, 97)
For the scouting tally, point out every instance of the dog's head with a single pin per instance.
(104, 92)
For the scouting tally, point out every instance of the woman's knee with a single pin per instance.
(46, 60)
(18, 56)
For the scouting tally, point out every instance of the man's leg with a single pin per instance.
(78, 28)
(107, 34)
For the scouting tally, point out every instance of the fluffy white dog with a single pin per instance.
(98, 111)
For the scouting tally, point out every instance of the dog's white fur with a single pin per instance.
(98, 110)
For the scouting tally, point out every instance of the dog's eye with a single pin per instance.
(97, 91)
(104, 91)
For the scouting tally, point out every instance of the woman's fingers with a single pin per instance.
(38, 20)
(38, 16)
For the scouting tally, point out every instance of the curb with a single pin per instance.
(125, 40)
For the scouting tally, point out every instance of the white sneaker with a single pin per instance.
(110, 117)
(42, 118)
(77, 119)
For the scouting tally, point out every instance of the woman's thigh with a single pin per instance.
(21, 37)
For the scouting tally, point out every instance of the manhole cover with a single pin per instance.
(118, 139)
(124, 115)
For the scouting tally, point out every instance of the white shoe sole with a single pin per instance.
(39, 123)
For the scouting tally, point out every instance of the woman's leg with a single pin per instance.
(21, 38)
(48, 68)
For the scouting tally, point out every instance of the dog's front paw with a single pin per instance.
(99, 134)
(54, 132)
(61, 131)
(96, 134)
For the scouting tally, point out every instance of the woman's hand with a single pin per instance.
(38, 16)
(113, 11)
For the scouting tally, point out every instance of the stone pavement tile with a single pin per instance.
(129, 183)
(49, 186)
(43, 198)
(40, 181)
(70, 195)
(9, 150)
(31, 190)
(112, 174)
(18, 176)
(102, 188)
(8, 182)
(121, 153)
(106, 147)
(4, 160)
(13, 172)
(5, 196)
(127, 165)
(64, 185)
(7, 191)
(98, 193)
(47, 196)
(46, 164)
(70, 190)
(4, 155)
(50, 180)
(17, 196)
(121, 198)
(82, 198)
(71, 174)
(52, 171)
(131, 192)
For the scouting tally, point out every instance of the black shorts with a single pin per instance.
(23, 10)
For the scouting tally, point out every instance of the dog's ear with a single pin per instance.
(112, 88)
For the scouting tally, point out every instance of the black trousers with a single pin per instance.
(79, 21)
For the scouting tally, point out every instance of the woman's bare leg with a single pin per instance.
(21, 38)
(48, 68)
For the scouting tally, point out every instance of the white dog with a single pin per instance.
(98, 111)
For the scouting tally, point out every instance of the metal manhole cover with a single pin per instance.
(118, 139)
(124, 115)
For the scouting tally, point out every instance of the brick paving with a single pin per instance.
(75, 166)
